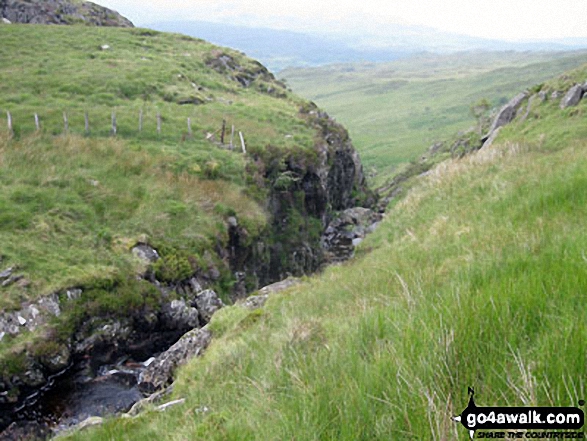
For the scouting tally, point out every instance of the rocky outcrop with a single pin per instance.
(506, 114)
(573, 96)
(347, 231)
(160, 372)
(96, 340)
(258, 301)
(60, 12)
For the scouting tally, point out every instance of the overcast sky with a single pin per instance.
(499, 19)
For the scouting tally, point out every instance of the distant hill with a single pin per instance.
(396, 110)
(278, 49)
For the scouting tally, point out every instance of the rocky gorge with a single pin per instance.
(108, 334)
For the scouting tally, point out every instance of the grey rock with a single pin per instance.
(178, 315)
(208, 303)
(6, 273)
(89, 422)
(489, 141)
(141, 405)
(12, 279)
(146, 253)
(279, 286)
(195, 286)
(73, 294)
(173, 403)
(58, 360)
(232, 222)
(572, 97)
(507, 113)
(60, 12)
(6, 21)
(556, 94)
(254, 302)
(542, 96)
(160, 372)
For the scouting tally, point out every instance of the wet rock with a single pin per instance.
(57, 360)
(572, 97)
(146, 253)
(25, 431)
(160, 372)
(208, 303)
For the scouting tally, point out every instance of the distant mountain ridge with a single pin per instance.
(61, 12)
(279, 49)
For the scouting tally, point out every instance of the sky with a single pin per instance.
(513, 20)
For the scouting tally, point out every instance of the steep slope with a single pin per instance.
(476, 278)
(61, 12)
(137, 170)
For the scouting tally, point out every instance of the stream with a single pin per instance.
(81, 394)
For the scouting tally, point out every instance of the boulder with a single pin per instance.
(179, 315)
(160, 372)
(572, 97)
(507, 113)
(208, 303)
(279, 286)
(146, 253)
(489, 141)
(254, 302)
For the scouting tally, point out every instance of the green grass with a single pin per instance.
(477, 277)
(72, 205)
(395, 111)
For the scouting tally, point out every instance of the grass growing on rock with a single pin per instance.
(477, 277)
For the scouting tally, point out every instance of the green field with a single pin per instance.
(395, 111)
(71, 204)
(476, 278)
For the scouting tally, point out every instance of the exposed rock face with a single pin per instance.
(347, 231)
(160, 372)
(573, 96)
(507, 113)
(306, 190)
(60, 12)
(208, 303)
(258, 301)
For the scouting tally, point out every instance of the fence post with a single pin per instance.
(37, 123)
(9, 119)
(242, 142)
(87, 123)
(158, 123)
(189, 127)
(65, 123)
(140, 120)
(223, 130)
(114, 127)
(232, 138)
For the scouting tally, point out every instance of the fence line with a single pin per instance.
(114, 128)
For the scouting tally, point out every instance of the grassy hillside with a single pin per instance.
(476, 277)
(395, 111)
(71, 204)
